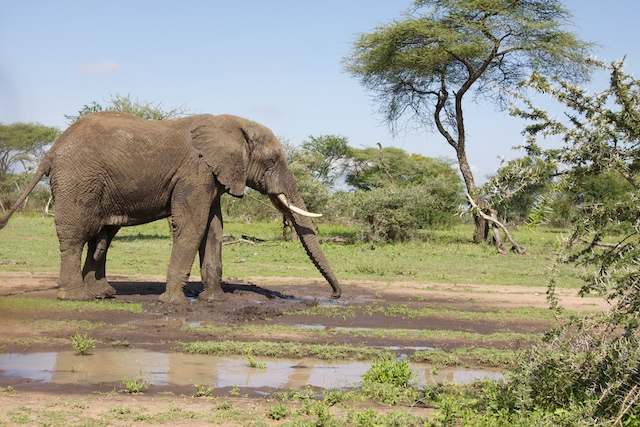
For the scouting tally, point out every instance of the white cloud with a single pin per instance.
(100, 68)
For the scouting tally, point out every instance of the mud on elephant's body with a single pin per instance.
(110, 170)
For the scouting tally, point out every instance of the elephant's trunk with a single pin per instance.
(308, 238)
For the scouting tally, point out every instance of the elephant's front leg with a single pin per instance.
(211, 256)
(188, 222)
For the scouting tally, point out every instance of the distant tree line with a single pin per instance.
(21, 147)
(387, 193)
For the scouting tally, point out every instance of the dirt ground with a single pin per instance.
(259, 301)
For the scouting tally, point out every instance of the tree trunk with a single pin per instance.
(46, 208)
(481, 232)
(288, 231)
(497, 240)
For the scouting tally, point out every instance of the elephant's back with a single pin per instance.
(110, 133)
(110, 152)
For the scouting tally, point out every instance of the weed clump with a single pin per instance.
(388, 381)
(251, 361)
(203, 391)
(135, 385)
(82, 344)
(278, 412)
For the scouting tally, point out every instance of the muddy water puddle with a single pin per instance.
(177, 369)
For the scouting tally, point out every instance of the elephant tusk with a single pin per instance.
(292, 208)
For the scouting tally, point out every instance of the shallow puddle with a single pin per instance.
(165, 369)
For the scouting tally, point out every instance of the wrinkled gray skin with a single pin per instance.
(109, 170)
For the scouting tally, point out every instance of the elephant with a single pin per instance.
(110, 170)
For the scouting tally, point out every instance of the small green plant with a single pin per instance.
(296, 395)
(82, 344)
(387, 381)
(386, 370)
(321, 411)
(224, 406)
(135, 385)
(235, 391)
(370, 417)
(8, 390)
(278, 412)
(333, 397)
(202, 391)
(251, 361)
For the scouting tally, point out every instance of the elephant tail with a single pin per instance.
(43, 169)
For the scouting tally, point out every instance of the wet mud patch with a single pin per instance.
(176, 370)
(265, 309)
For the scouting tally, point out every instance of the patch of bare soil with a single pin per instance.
(259, 301)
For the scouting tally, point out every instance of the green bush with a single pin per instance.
(583, 366)
(278, 412)
(82, 344)
(386, 370)
(387, 381)
(394, 213)
(252, 207)
(370, 417)
(135, 385)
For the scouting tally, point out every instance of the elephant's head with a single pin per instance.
(244, 153)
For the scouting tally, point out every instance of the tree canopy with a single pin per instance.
(422, 67)
(370, 168)
(594, 358)
(323, 153)
(23, 143)
(145, 110)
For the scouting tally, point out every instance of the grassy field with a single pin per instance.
(29, 243)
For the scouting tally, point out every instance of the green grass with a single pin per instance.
(282, 349)
(45, 304)
(405, 312)
(293, 333)
(476, 356)
(29, 243)
(57, 325)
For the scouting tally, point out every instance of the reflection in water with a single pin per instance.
(162, 369)
(36, 366)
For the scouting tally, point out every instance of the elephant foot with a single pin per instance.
(212, 295)
(79, 293)
(102, 289)
(173, 298)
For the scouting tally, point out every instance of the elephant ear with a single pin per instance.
(223, 146)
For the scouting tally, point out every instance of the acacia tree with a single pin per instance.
(423, 68)
(145, 110)
(20, 144)
(324, 153)
(23, 143)
(587, 369)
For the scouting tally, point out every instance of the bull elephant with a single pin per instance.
(109, 170)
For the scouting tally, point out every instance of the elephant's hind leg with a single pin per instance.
(94, 271)
(71, 286)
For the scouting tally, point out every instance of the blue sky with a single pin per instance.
(277, 62)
